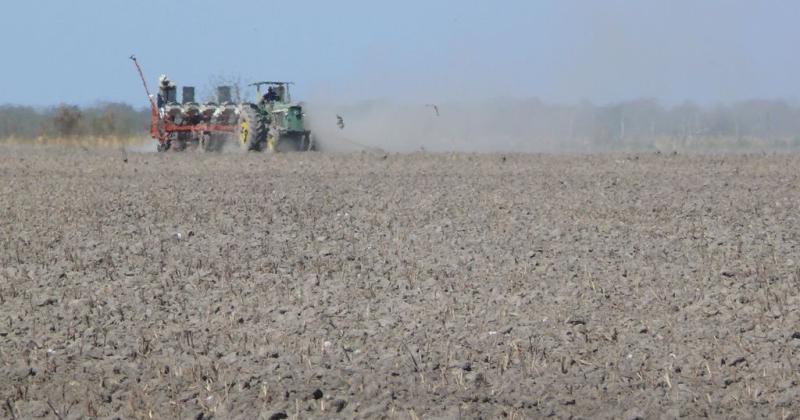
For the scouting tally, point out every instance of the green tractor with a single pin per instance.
(274, 122)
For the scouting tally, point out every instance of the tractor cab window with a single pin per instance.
(271, 95)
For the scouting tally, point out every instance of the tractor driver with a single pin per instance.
(271, 95)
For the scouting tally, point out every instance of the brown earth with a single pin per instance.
(402, 286)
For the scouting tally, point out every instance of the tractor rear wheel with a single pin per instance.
(252, 130)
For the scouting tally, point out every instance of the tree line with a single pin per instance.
(643, 122)
(770, 122)
(109, 119)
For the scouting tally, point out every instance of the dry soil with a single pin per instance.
(190, 285)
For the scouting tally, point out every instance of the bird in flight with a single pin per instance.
(435, 108)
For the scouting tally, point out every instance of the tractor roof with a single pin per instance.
(270, 83)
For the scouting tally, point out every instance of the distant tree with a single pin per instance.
(67, 120)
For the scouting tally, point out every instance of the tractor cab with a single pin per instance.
(274, 92)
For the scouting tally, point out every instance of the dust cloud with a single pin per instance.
(649, 85)
(144, 145)
(489, 126)
(533, 126)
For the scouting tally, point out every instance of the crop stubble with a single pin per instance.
(401, 286)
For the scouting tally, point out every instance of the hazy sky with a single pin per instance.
(427, 50)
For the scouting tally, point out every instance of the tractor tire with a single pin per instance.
(252, 133)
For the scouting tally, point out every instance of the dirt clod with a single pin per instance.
(279, 415)
(339, 405)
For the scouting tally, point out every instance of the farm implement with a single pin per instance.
(273, 123)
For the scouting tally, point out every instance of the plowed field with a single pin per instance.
(190, 285)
